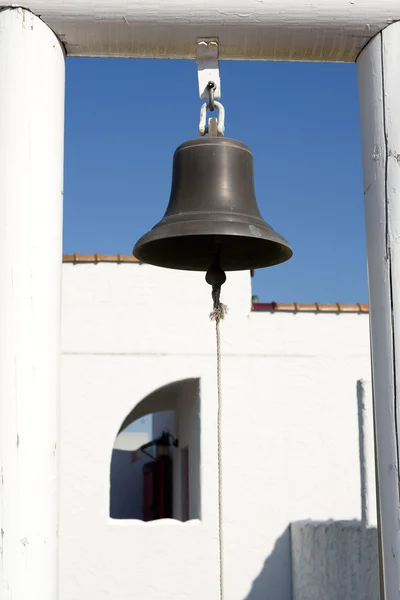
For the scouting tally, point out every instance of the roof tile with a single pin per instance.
(295, 307)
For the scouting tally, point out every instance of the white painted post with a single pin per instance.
(31, 180)
(379, 93)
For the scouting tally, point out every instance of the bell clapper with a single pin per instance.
(216, 277)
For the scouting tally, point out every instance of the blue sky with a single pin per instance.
(124, 119)
(144, 424)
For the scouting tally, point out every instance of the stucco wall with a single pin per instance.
(290, 431)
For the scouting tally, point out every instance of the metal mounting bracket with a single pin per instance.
(208, 66)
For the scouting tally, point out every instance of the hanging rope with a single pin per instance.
(216, 277)
(218, 314)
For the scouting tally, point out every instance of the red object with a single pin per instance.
(148, 491)
(264, 306)
(161, 489)
(157, 489)
(185, 483)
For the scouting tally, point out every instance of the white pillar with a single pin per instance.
(379, 97)
(31, 180)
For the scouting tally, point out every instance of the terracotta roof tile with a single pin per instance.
(96, 258)
(295, 307)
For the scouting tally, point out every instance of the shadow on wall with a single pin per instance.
(333, 560)
(275, 580)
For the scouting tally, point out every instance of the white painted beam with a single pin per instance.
(322, 30)
(379, 92)
(31, 180)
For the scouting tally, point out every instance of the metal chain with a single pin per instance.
(211, 87)
(216, 126)
(203, 129)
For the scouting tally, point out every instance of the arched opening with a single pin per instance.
(155, 463)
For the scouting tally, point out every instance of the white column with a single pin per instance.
(379, 97)
(31, 181)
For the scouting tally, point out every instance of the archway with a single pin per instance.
(155, 474)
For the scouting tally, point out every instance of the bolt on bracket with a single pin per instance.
(208, 66)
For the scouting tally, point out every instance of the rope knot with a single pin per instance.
(218, 313)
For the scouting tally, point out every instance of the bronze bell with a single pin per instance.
(212, 215)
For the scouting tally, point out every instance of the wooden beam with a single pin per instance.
(322, 30)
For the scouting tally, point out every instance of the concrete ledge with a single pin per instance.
(334, 560)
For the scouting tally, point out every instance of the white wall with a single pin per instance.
(294, 395)
(290, 431)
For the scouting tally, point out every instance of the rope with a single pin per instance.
(217, 315)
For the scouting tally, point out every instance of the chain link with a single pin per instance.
(211, 92)
(203, 129)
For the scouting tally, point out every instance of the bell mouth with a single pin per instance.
(182, 247)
